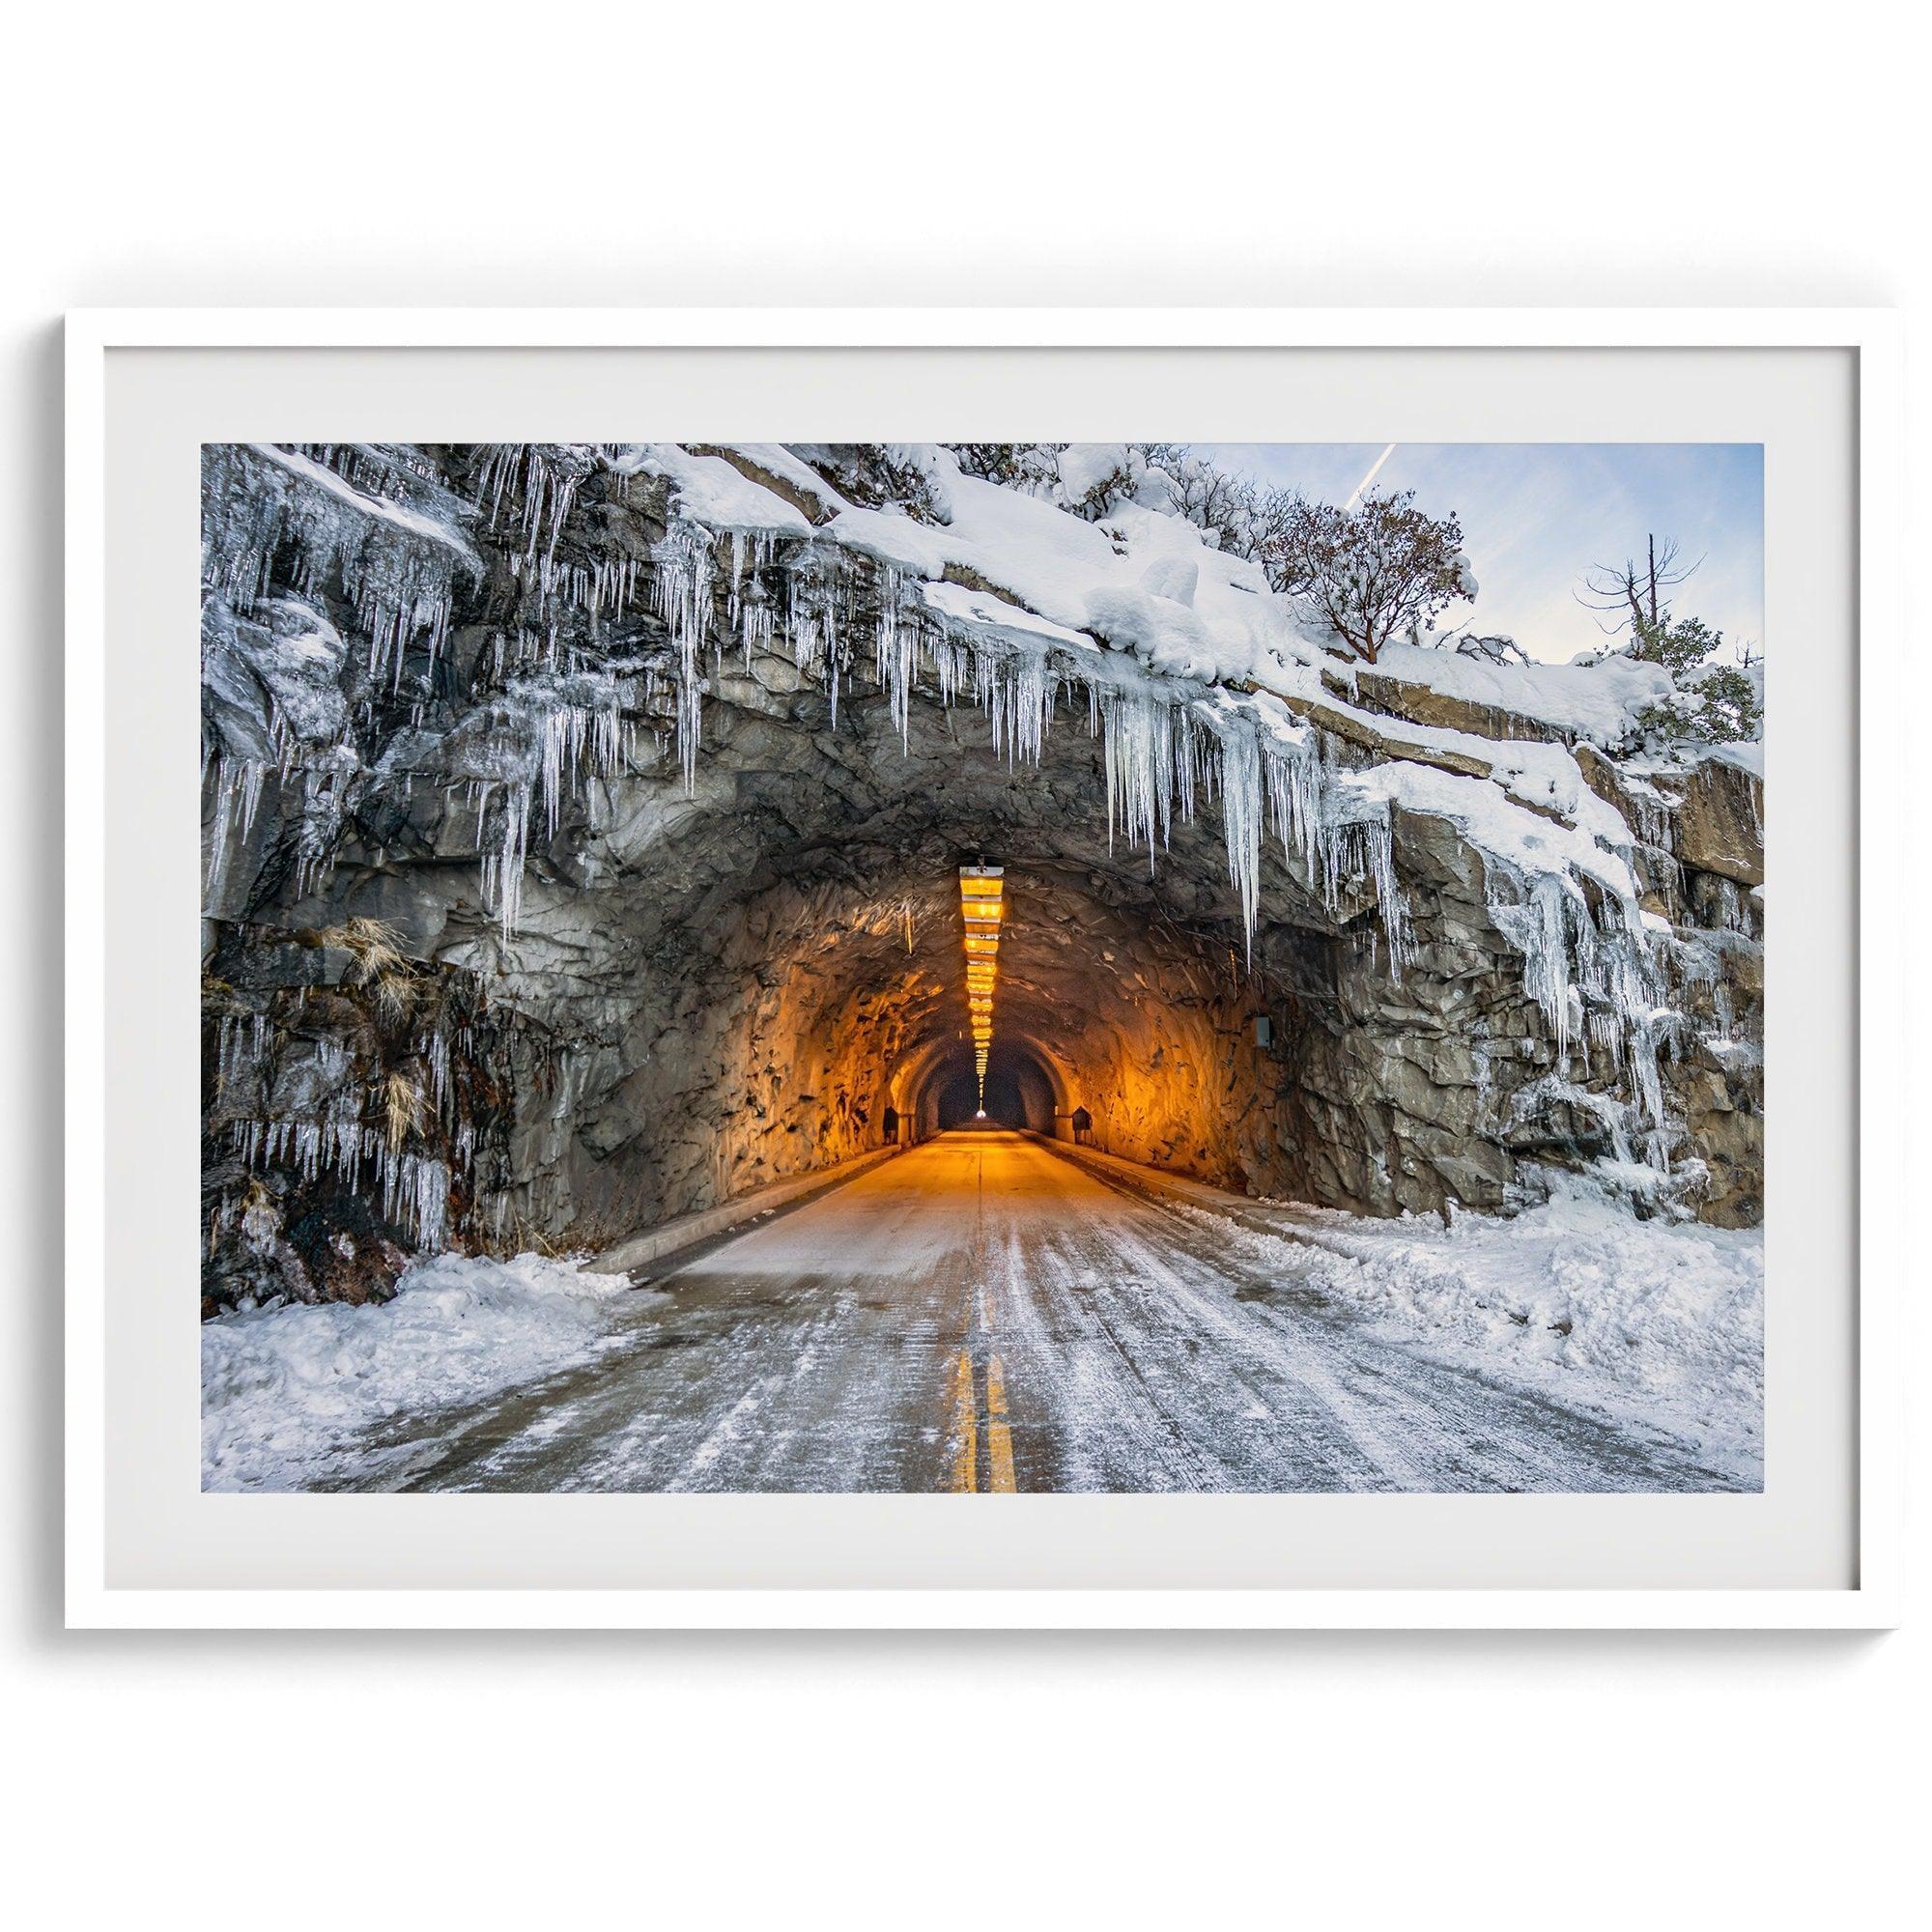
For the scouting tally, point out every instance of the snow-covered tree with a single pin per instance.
(1380, 571)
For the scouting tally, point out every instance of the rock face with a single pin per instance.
(1721, 822)
(1417, 704)
(568, 870)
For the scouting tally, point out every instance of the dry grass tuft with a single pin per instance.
(402, 1107)
(217, 996)
(392, 993)
(374, 946)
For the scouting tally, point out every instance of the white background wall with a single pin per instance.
(355, 154)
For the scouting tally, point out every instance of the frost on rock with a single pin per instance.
(399, 561)
(538, 744)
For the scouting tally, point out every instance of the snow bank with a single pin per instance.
(1748, 757)
(384, 509)
(1141, 578)
(1596, 702)
(1484, 814)
(1205, 614)
(1651, 1322)
(711, 491)
(286, 1390)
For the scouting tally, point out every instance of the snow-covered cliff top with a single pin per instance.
(1141, 579)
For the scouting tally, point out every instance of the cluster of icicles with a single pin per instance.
(1162, 757)
(234, 786)
(562, 725)
(414, 1188)
(261, 502)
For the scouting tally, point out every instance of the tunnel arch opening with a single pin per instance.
(1020, 1092)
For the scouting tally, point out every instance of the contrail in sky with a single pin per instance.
(1370, 477)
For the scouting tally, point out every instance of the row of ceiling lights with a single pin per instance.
(982, 906)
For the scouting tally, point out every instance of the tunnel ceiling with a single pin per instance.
(719, 935)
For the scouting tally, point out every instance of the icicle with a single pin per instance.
(1241, 813)
(682, 595)
(1138, 741)
(237, 784)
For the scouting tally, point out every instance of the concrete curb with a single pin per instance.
(687, 1230)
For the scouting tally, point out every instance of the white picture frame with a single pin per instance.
(1871, 1597)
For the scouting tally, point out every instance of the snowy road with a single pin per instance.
(981, 1313)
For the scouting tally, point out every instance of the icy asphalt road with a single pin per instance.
(980, 1314)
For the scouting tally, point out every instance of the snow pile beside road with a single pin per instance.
(286, 1389)
(1650, 1321)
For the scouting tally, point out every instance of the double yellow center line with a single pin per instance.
(966, 1430)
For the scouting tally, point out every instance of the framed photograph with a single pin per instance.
(689, 977)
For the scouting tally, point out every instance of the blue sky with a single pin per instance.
(1537, 515)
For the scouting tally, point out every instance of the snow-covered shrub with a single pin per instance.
(1243, 517)
(1095, 478)
(1712, 703)
(1719, 706)
(1019, 466)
